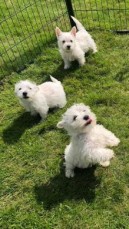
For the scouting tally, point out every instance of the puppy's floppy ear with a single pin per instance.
(73, 31)
(60, 124)
(58, 32)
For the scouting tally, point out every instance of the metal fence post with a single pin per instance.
(70, 11)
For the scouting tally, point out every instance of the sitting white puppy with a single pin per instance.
(88, 139)
(73, 45)
(39, 98)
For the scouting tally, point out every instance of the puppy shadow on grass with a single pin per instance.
(51, 126)
(60, 73)
(14, 131)
(59, 188)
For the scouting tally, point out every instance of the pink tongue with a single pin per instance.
(89, 121)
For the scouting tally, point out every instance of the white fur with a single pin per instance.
(89, 141)
(39, 98)
(79, 43)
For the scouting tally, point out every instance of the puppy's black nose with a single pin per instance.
(24, 94)
(68, 46)
(86, 117)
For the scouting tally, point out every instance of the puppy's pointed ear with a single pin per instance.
(73, 31)
(58, 32)
(60, 124)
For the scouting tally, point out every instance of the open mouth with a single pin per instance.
(68, 50)
(25, 97)
(88, 122)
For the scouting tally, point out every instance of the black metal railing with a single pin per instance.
(26, 28)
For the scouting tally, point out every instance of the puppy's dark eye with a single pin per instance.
(30, 88)
(19, 88)
(71, 41)
(74, 117)
(84, 110)
(63, 42)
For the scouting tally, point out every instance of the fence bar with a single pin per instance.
(70, 11)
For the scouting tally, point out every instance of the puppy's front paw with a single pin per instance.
(105, 163)
(66, 67)
(114, 142)
(69, 173)
(94, 51)
(110, 154)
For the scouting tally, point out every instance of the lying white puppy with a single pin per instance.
(39, 98)
(89, 140)
(73, 45)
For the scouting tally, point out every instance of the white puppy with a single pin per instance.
(73, 45)
(39, 98)
(89, 140)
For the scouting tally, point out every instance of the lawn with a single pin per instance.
(34, 190)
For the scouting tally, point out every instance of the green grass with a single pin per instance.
(27, 27)
(34, 190)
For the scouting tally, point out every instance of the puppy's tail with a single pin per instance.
(54, 80)
(78, 24)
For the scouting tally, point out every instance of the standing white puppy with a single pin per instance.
(39, 98)
(89, 141)
(73, 45)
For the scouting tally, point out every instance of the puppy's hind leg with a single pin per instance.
(43, 112)
(81, 61)
(108, 154)
(62, 103)
(112, 140)
(102, 156)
